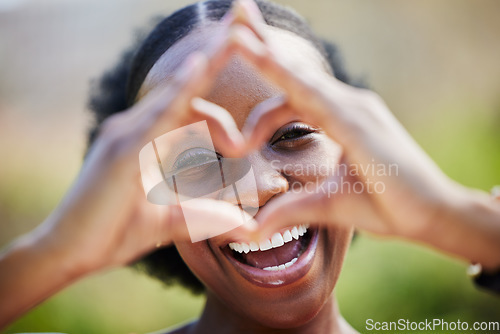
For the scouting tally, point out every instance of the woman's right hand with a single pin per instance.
(105, 219)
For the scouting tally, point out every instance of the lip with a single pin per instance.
(274, 279)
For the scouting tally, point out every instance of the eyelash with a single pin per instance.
(190, 156)
(297, 130)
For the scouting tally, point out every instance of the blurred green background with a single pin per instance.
(436, 63)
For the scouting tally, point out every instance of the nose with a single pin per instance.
(254, 191)
(270, 181)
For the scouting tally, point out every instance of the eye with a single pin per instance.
(293, 135)
(194, 158)
(195, 172)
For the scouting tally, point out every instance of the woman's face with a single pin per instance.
(296, 157)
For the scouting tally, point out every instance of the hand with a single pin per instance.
(105, 219)
(417, 202)
(412, 194)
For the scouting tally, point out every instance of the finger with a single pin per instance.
(191, 81)
(359, 210)
(335, 202)
(270, 115)
(316, 95)
(243, 12)
(170, 101)
(223, 128)
(164, 109)
(202, 218)
(307, 93)
(173, 226)
(247, 13)
(220, 50)
(353, 200)
(167, 107)
(291, 209)
(324, 209)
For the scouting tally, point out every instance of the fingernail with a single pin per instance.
(238, 143)
(238, 10)
(198, 103)
(252, 8)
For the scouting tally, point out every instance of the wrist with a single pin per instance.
(466, 225)
(32, 256)
(434, 209)
(51, 247)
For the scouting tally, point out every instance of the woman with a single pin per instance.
(303, 117)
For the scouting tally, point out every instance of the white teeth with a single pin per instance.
(288, 264)
(281, 266)
(265, 245)
(287, 236)
(254, 246)
(239, 248)
(234, 246)
(277, 240)
(302, 230)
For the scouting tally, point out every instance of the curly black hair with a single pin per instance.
(117, 89)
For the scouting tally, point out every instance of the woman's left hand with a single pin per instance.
(356, 119)
(417, 201)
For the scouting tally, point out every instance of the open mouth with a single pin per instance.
(280, 260)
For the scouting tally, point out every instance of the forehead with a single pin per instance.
(238, 87)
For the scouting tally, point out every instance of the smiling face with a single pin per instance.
(288, 284)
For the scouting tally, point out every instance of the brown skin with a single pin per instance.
(85, 234)
(420, 203)
(233, 303)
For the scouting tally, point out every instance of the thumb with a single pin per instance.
(292, 209)
(203, 218)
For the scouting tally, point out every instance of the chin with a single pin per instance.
(283, 282)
